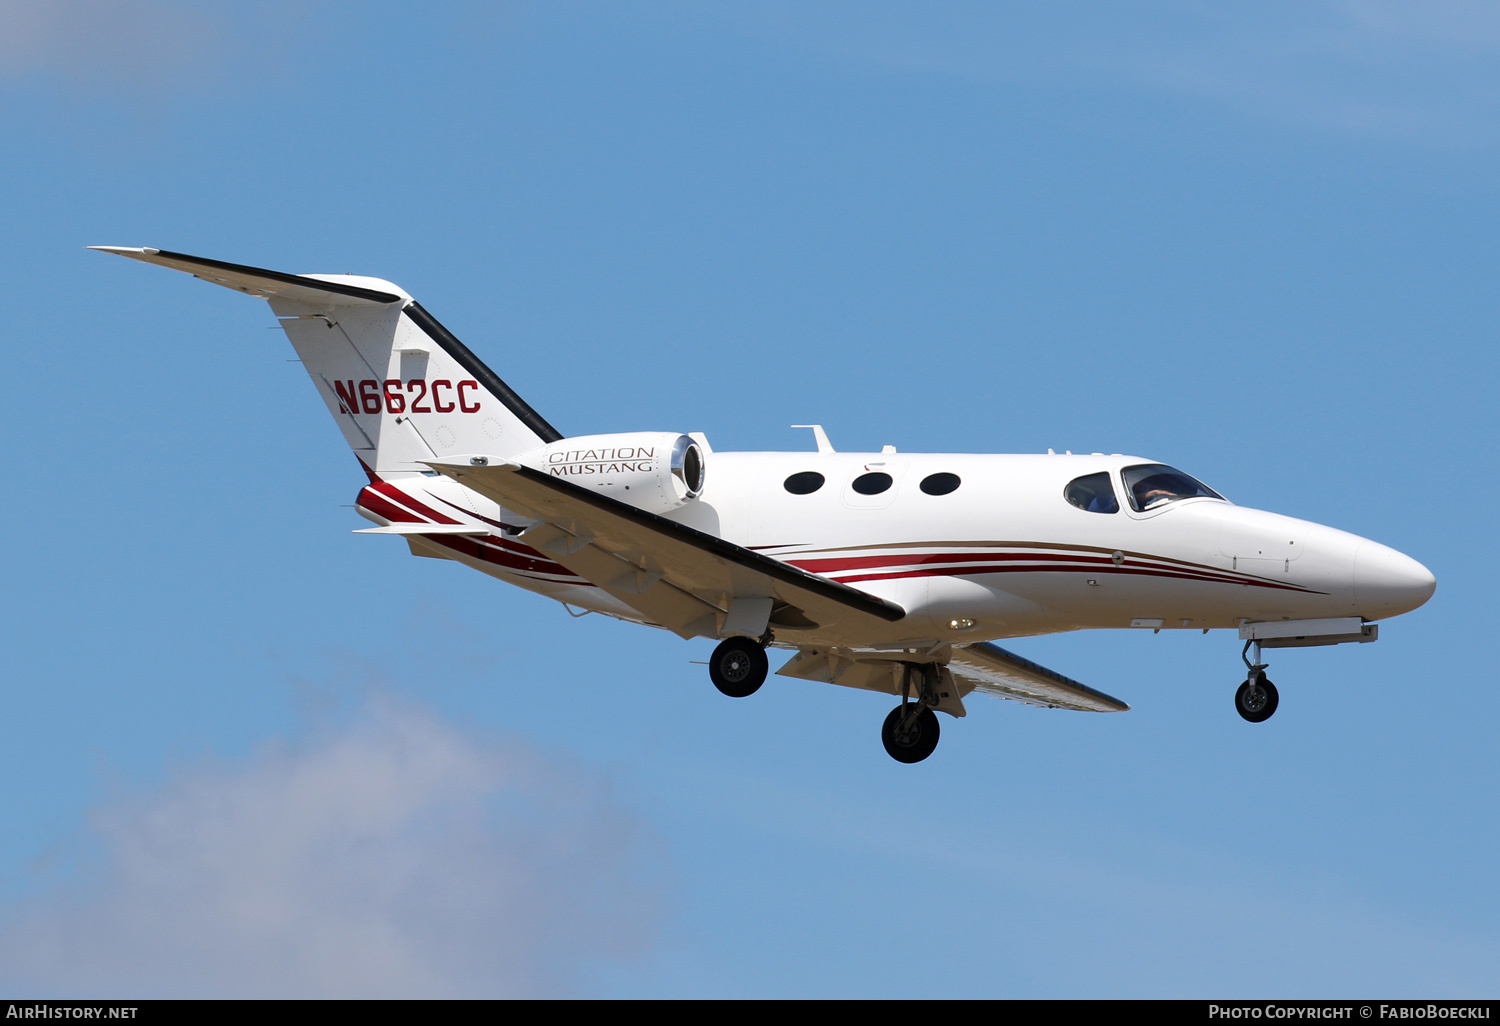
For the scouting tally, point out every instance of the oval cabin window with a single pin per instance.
(804, 483)
(872, 483)
(940, 484)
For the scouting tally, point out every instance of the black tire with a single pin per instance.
(738, 667)
(1256, 700)
(920, 740)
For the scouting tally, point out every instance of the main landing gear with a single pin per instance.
(1256, 698)
(738, 667)
(910, 733)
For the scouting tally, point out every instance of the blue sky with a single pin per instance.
(249, 752)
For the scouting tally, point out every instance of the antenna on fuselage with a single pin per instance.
(824, 445)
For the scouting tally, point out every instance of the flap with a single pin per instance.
(994, 671)
(675, 576)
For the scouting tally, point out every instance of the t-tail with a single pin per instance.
(400, 386)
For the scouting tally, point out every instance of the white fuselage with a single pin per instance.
(1004, 554)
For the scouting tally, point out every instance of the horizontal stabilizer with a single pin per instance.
(401, 387)
(257, 281)
(994, 671)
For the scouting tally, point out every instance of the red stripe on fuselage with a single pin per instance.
(487, 550)
(1107, 568)
(514, 546)
(374, 502)
(520, 557)
(1078, 560)
(390, 491)
(827, 566)
(471, 513)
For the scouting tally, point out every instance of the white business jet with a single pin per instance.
(892, 572)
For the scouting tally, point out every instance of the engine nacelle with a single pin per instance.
(652, 470)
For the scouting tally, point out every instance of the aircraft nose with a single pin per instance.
(1388, 583)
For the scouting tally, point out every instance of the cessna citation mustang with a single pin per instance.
(887, 571)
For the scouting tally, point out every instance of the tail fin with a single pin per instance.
(400, 386)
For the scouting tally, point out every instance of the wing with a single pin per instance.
(994, 671)
(680, 578)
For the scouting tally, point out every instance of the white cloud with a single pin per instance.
(1462, 25)
(1421, 71)
(142, 43)
(397, 858)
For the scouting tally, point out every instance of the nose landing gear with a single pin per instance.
(1256, 699)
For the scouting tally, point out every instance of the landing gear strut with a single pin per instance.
(910, 732)
(1256, 699)
(738, 667)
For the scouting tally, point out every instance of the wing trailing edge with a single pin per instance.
(681, 578)
(991, 670)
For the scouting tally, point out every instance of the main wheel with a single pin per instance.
(917, 742)
(1256, 699)
(738, 667)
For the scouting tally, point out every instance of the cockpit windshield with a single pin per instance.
(1152, 485)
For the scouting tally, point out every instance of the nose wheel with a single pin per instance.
(738, 667)
(1256, 699)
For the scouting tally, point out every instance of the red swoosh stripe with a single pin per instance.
(953, 564)
(390, 491)
(514, 546)
(378, 499)
(485, 549)
(372, 500)
(964, 571)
